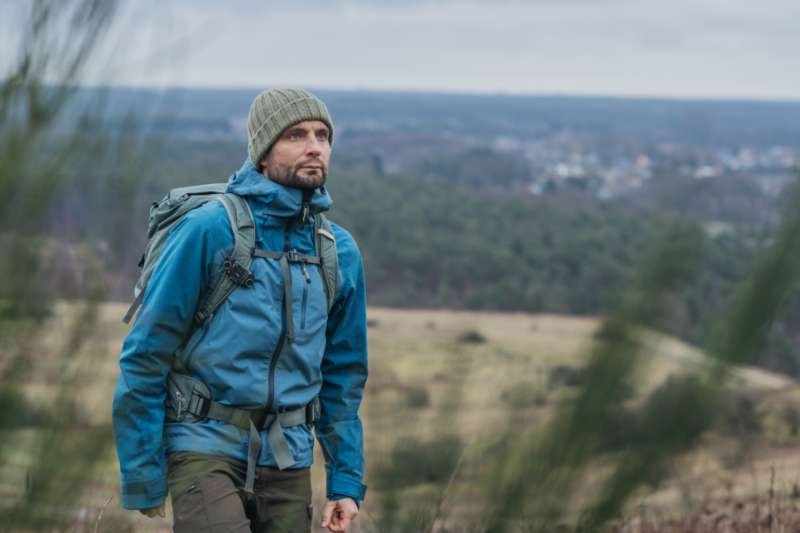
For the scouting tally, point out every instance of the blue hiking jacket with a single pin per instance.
(241, 352)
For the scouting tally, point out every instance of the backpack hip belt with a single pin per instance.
(189, 400)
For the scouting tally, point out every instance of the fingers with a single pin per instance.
(337, 525)
(338, 515)
(327, 512)
(344, 522)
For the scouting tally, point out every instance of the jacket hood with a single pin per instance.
(270, 197)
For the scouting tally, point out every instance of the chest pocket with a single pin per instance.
(287, 260)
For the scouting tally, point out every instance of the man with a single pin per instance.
(269, 350)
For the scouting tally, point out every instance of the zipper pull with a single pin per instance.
(305, 273)
(304, 216)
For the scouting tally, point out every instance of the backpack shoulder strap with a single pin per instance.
(325, 242)
(237, 265)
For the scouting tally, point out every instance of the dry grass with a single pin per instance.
(465, 381)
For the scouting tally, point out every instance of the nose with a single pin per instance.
(314, 145)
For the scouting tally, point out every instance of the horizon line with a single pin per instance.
(456, 92)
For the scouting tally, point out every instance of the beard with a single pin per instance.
(298, 177)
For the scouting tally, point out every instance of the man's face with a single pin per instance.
(300, 156)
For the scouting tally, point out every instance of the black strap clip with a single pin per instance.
(237, 273)
(313, 412)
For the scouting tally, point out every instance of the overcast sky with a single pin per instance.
(684, 48)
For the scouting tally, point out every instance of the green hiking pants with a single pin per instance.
(208, 496)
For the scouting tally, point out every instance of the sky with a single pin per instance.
(668, 48)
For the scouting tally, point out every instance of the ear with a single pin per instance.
(263, 163)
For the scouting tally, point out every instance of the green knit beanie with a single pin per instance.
(275, 110)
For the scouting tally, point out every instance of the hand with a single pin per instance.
(338, 514)
(152, 512)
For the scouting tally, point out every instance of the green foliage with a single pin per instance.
(524, 395)
(562, 375)
(17, 411)
(413, 461)
(417, 397)
(791, 417)
(57, 40)
(477, 167)
(432, 243)
(472, 337)
(739, 418)
(546, 467)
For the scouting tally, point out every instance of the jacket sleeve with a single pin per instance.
(164, 320)
(344, 374)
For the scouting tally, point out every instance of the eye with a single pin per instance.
(322, 135)
(295, 135)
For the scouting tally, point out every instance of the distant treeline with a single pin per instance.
(222, 112)
(433, 243)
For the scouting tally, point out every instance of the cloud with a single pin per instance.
(646, 47)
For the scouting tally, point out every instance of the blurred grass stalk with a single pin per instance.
(58, 39)
(534, 485)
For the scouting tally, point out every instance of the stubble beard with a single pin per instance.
(289, 176)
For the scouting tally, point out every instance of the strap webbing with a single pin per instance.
(277, 442)
(325, 243)
(278, 445)
(253, 451)
(134, 306)
(252, 420)
(287, 298)
(292, 257)
(243, 228)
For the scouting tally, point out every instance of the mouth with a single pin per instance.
(311, 169)
(312, 165)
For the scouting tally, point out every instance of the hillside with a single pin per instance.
(441, 381)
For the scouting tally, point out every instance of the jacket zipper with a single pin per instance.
(282, 339)
(305, 297)
(274, 361)
(304, 220)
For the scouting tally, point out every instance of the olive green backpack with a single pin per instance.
(166, 213)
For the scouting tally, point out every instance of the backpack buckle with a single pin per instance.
(237, 273)
(179, 404)
(198, 405)
(293, 256)
(313, 412)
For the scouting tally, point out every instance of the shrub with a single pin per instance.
(563, 375)
(523, 395)
(741, 417)
(791, 416)
(472, 337)
(413, 461)
(417, 397)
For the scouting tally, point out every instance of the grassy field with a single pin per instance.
(444, 388)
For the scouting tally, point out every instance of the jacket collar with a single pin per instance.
(268, 197)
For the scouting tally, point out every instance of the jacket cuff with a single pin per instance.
(143, 494)
(344, 486)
